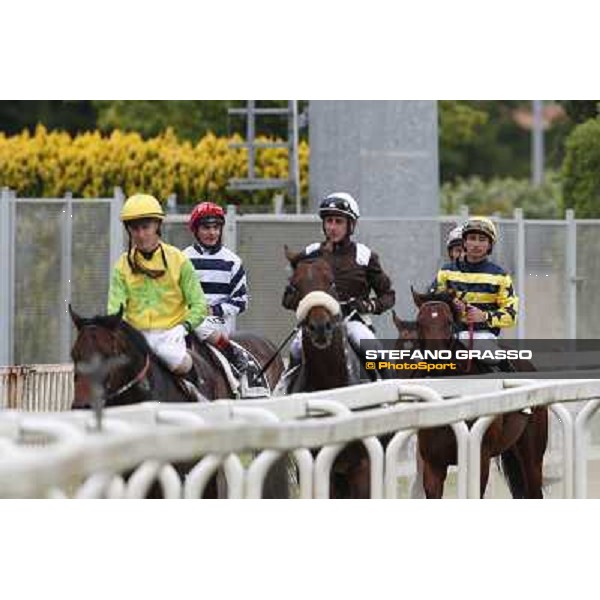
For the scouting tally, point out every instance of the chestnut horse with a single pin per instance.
(328, 362)
(132, 373)
(519, 439)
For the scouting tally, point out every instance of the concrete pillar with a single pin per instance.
(383, 152)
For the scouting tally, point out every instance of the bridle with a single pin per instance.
(135, 380)
(432, 304)
(132, 382)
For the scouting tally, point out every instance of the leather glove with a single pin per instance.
(361, 305)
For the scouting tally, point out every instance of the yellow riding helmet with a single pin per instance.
(480, 225)
(141, 206)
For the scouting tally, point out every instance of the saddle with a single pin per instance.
(248, 384)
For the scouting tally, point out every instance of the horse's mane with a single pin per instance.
(135, 337)
(308, 260)
(131, 333)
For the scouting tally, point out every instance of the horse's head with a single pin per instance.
(436, 316)
(318, 310)
(103, 355)
(407, 332)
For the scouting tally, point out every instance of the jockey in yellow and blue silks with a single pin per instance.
(156, 285)
(487, 298)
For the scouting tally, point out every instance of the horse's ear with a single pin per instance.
(77, 320)
(112, 321)
(398, 322)
(406, 329)
(417, 298)
(291, 256)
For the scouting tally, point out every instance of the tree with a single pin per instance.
(74, 116)
(189, 119)
(581, 170)
(580, 111)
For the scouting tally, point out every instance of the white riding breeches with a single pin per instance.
(356, 331)
(212, 324)
(169, 344)
(482, 340)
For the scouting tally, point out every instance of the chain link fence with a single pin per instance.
(56, 251)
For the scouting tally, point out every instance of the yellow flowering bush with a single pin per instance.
(49, 164)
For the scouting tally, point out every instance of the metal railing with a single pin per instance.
(78, 461)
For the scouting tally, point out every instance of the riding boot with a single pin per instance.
(236, 357)
(192, 376)
(190, 379)
(293, 361)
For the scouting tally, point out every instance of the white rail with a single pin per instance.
(72, 460)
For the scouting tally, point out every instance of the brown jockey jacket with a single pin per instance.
(356, 270)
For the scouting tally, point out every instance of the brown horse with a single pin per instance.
(519, 439)
(407, 333)
(328, 362)
(132, 373)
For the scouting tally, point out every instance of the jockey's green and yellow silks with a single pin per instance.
(159, 303)
(484, 285)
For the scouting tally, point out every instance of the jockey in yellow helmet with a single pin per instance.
(156, 285)
(485, 292)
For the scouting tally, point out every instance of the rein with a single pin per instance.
(471, 329)
(137, 379)
(279, 349)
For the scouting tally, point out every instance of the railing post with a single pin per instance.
(580, 446)
(7, 280)
(521, 319)
(293, 158)
(230, 229)
(66, 276)
(571, 273)
(116, 228)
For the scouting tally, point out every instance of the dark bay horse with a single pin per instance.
(135, 374)
(519, 439)
(328, 362)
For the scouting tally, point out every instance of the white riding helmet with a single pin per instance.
(454, 237)
(339, 203)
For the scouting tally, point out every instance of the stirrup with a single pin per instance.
(252, 391)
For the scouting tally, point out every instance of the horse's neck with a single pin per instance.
(448, 344)
(159, 383)
(327, 368)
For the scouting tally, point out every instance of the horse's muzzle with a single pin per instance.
(320, 332)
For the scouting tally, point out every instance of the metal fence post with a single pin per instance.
(66, 272)
(571, 273)
(293, 158)
(7, 224)
(230, 229)
(116, 228)
(521, 320)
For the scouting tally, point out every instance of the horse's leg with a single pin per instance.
(530, 450)
(485, 470)
(359, 478)
(434, 477)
